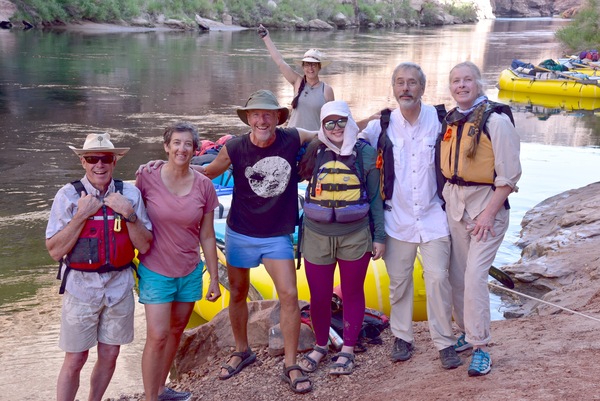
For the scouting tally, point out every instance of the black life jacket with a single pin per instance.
(103, 244)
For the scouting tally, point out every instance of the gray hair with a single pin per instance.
(410, 65)
(182, 126)
(476, 72)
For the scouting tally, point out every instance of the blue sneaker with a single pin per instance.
(481, 363)
(462, 344)
(171, 395)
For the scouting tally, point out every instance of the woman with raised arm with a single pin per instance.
(310, 93)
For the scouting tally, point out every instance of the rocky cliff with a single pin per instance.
(534, 8)
(560, 261)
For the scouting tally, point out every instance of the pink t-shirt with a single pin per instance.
(175, 248)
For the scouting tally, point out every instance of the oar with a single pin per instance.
(581, 81)
(592, 66)
(501, 277)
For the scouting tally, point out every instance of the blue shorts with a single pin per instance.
(158, 289)
(245, 251)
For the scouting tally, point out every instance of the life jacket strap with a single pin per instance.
(462, 183)
(339, 187)
(337, 203)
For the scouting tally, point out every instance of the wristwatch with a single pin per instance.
(132, 218)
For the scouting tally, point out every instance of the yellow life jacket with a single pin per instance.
(337, 192)
(461, 134)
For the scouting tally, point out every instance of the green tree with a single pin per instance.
(583, 32)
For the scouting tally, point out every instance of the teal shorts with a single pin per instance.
(158, 289)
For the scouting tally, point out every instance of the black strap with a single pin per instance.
(80, 188)
(63, 282)
(441, 111)
(119, 186)
(384, 122)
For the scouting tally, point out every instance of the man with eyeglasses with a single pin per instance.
(413, 214)
(94, 226)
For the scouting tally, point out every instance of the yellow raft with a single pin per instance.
(376, 290)
(567, 103)
(573, 87)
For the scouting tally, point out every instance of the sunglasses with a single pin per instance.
(330, 125)
(95, 159)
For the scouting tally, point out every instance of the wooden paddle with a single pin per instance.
(580, 80)
(594, 67)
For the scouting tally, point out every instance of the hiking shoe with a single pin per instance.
(171, 395)
(462, 344)
(481, 363)
(449, 358)
(402, 351)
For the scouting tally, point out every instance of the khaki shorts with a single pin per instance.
(83, 325)
(324, 249)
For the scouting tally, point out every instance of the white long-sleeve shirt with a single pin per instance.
(414, 214)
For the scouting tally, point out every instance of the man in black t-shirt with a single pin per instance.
(263, 215)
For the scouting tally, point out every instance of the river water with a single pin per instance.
(56, 87)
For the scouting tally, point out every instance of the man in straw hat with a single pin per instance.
(88, 216)
(263, 214)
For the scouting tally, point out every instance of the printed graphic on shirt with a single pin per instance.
(269, 176)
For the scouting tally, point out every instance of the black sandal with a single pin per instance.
(247, 357)
(347, 367)
(293, 383)
(313, 364)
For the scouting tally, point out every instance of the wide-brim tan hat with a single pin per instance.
(99, 143)
(263, 100)
(313, 56)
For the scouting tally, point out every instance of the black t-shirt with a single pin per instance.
(265, 194)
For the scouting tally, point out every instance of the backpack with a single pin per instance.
(374, 323)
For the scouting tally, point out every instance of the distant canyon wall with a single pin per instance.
(533, 8)
(517, 8)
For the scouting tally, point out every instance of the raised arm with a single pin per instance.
(288, 72)
(305, 135)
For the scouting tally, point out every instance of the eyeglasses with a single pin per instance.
(95, 159)
(410, 83)
(330, 125)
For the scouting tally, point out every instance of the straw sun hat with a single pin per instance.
(313, 56)
(99, 143)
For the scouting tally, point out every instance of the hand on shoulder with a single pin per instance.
(151, 165)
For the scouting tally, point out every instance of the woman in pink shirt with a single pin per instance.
(180, 203)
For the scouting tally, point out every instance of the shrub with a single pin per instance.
(463, 11)
(583, 32)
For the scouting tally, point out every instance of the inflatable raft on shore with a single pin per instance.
(376, 283)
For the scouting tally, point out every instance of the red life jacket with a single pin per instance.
(100, 248)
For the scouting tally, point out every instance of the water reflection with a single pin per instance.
(55, 88)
